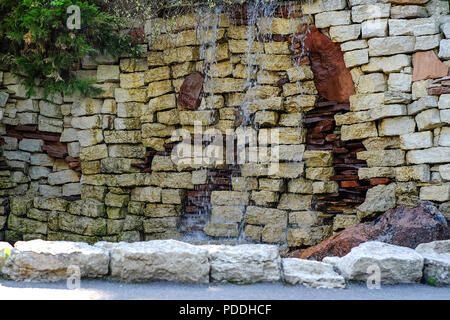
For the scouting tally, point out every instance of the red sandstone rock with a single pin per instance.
(428, 66)
(333, 80)
(408, 1)
(400, 226)
(377, 181)
(190, 91)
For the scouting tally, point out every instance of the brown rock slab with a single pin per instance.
(400, 226)
(428, 66)
(332, 78)
(189, 97)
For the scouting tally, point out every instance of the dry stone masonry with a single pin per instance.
(357, 92)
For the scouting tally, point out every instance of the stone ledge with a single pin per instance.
(171, 260)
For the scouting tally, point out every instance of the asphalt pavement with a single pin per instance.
(108, 290)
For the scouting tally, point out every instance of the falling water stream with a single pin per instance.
(258, 21)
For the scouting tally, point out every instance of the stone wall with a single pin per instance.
(102, 168)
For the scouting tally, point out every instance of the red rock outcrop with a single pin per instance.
(400, 226)
(332, 78)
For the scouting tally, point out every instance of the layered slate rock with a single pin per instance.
(158, 260)
(396, 264)
(51, 261)
(244, 263)
(400, 226)
(311, 274)
(332, 78)
(437, 262)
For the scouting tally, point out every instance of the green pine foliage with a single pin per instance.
(36, 43)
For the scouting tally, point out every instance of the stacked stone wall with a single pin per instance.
(101, 168)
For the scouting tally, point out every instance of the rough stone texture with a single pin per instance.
(311, 274)
(401, 226)
(51, 261)
(5, 249)
(332, 78)
(396, 264)
(436, 256)
(158, 260)
(244, 263)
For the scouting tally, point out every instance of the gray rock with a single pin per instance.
(50, 261)
(437, 261)
(397, 264)
(158, 260)
(244, 263)
(311, 274)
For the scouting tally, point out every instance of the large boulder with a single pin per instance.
(437, 262)
(158, 260)
(400, 226)
(245, 263)
(49, 261)
(312, 274)
(396, 264)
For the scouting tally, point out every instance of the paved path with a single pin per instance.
(96, 289)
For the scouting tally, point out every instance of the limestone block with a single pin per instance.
(444, 49)
(382, 158)
(427, 42)
(370, 11)
(444, 101)
(265, 216)
(359, 131)
(428, 119)
(39, 260)
(308, 236)
(318, 6)
(244, 263)
(400, 82)
(422, 104)
(345, 33)
(224, 230)
(417, 140)
(371, 83)
(356, 58)
(312, 274)
(227, 214)
(431, 155)
(226, 197)
(417, 173)
(436, 193)
(390, 64)
(360, 102)
(397, 264)
(332, 18)
(158, 260)
(108, 73)
(293, 201)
